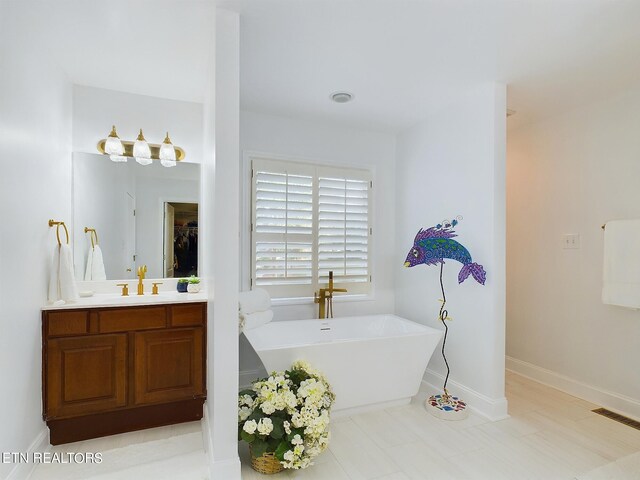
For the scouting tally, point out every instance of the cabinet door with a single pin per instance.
(86, 375)
(168, 365)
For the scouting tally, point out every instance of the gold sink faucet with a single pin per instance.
(141, 273)
(326, 296)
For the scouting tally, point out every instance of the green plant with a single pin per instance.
(183, 280)
(287, 414)
(194, 280)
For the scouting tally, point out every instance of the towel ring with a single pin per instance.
(94, 235)
(57, 224)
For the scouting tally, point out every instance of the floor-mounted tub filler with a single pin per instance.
(371, 361)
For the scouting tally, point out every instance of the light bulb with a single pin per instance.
(118, 158)
(167, 153)
(141, 150)
(113, 145)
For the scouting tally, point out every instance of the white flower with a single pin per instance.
(297, 440)
(247, 400)
(250, 427)
(298, 449)
(288, 456)
(287, 427)
(265, 426)
(244, 413)
(268, 408)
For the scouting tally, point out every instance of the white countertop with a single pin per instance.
(103, 300)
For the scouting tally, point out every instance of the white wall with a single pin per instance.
(570, 174)
(35, 185)
(220, 258)
(96, 109)
(452, 164)
(324, 143)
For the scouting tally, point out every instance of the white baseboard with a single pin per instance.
(207, 442)
(225, 469)
(247, 377)
(622, 404)
(492, 409)
(22, 471)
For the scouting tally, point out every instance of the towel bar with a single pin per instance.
(94, 235)
(57, 224)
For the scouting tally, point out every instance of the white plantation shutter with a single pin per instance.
(282, 227)
(343, 229)
(308, 220)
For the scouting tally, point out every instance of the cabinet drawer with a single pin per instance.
(69, 323)
(128, 319)
(187, 315)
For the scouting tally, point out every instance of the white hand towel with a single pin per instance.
(621, 282)
(97, 265)
(257, 300)
(62, 282)
(54, 284)
(68, 287)
(89, 269)
(254, 320)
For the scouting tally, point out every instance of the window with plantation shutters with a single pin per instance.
(309, 220)
(343, 229)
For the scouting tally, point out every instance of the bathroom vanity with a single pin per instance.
(120, 368)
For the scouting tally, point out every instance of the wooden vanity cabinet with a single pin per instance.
(119, 369)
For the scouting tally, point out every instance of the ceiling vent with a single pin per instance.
(341, 97)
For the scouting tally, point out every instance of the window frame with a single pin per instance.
(295, 293)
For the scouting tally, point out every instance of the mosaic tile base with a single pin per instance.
(446, 407)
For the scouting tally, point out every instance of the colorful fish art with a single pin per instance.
(433, 245)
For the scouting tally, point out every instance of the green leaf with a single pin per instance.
(247, 392)
(247, 437)
(294, 432)
(259, 447)
(278, 427)
(283, 448)
(272, 444)
(256, 415)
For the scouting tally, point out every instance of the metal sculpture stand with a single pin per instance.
(445, 406)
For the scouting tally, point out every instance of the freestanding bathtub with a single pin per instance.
(371, 361)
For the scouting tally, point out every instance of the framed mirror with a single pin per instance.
(126, 215)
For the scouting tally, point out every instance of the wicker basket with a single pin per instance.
(267, 463)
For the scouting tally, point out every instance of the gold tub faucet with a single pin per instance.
(326, 296)
(141, 273)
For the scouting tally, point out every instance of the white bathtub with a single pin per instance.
(371, 361)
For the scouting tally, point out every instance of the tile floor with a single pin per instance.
(549, 436)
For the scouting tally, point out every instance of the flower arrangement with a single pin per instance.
(287, 414)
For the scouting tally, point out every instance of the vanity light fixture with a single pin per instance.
(141, 150)
(167, 153)
(144, 153)
(113, 144)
